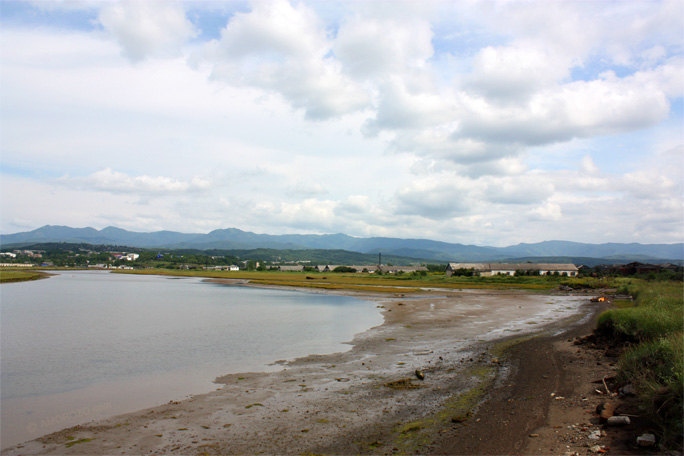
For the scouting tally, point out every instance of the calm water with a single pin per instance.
(95, 344)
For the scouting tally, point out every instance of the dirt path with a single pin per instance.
(547, 405)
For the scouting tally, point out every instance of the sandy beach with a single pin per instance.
(410, 385)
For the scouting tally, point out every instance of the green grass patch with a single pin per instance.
(622, 303)
(654, 363)
(657, 311)
(19, 275)
(387, 283)
(75, 442)
(656, 370)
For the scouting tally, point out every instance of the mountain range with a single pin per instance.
(233, 238)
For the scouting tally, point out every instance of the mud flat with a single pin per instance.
(403, 387)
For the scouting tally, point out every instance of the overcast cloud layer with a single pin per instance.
(479, 122)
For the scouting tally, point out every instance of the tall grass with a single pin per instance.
(658, 312)
(654, 364)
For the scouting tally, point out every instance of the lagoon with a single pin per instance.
(89, 344)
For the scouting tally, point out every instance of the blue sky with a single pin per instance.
(479, 122)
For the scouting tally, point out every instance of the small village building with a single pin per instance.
(492, 269)
(232, 267)
(297, 268)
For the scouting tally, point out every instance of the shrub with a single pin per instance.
(658, 312)
(344, 269)
(654, 365)
(656, 371)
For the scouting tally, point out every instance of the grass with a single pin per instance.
(654, 363)
(18, 275)
(658, 311)
(75, 442)
(388, 283)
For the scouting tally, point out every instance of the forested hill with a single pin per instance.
(235, 239)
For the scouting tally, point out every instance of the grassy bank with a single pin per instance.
(654, 362)
(19, 275)
(404, 282)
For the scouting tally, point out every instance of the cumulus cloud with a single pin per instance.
(513, 74)
(301, 189)
(283, 49)
(376, 48)
(609, 105)
(547, 211)
(528, 189)
(435, 197)
(457, 120)
(354, 205)
(111, 181)
(400, 109)
(147, 28)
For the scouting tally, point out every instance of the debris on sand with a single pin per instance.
(403, 384)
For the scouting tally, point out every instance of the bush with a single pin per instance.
(658, 312)
(656, 371)
(654, 365)
(344, 269)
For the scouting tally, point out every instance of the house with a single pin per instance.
(298, 268)
(232, 267)
(492, 269)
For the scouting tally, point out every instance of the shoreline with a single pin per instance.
(365, 400)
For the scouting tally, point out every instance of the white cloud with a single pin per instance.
(281, 48)
(146, 28)
(475, 122)
(609, 105)
(513, 74)
(355, 205)
(547, 211)
(377, 48)
(108, 180)
(436, 197)
(400, 109)
(302, 189)
(528, 189)
(588, 166)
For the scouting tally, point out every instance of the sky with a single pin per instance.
(475, 122)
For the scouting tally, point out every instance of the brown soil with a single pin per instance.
(548, 403)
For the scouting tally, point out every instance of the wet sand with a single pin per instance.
(366, 400)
